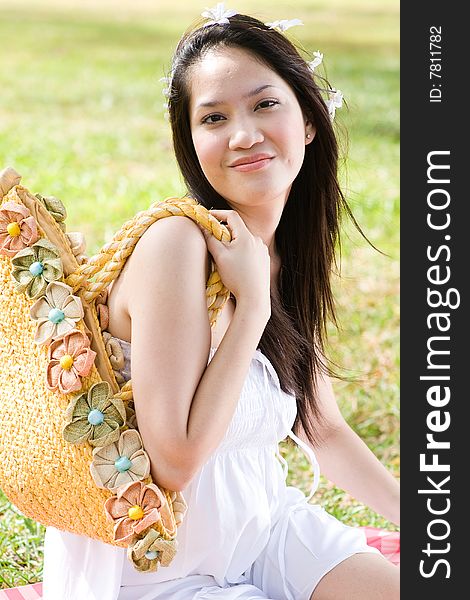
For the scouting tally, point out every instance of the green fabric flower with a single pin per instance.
(151, 551)
(131, 419)
(35, 267)
(95, 417)
(55, 208)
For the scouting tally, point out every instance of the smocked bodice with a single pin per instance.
(264, 414)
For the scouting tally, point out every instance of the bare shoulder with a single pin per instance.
(169, 236)
(179, 242)
(176, 241)
(166, 294)
(166, 289)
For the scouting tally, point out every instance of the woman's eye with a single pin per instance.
(268, 103)
(206, 119)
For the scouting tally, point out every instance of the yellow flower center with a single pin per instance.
(13, 229)
(66, 362)
(135, 512)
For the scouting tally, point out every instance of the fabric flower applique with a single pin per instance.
(55, 208)
(180, 508)
(35, 267)
(77, 244)
(120, 463)
(334, 101)
(70, 358)
(18, 229)
(135, 508)
(57, 312)
(94, 416)
(151, 551)
(131, 417)
(284, 24)
(218, 15)
(102, 309)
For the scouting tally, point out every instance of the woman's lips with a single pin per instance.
(253, 166)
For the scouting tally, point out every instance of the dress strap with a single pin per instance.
(267, 367)
(283, 461)
(313, 461)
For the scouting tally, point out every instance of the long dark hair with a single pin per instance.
(308, 232)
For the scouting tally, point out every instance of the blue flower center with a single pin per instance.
(151, 554)
(56, 315)
(36, 268)
(123, 464)
(95, 417)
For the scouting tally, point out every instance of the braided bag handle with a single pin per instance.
(100, 270)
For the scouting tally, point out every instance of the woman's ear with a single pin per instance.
(310, 132)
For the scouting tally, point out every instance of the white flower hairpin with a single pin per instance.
(335, 97)
(218, 15)
(284, 24)
(166, 91)
(334, 101)
(312, 65)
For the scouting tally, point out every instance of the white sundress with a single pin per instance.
(245, 536)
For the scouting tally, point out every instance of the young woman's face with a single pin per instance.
(242, 111)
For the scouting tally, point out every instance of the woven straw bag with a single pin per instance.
(71, 456)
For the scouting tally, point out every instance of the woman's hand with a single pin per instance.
(244, 262)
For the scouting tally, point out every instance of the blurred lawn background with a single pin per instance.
(82, 118)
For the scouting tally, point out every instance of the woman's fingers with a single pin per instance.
(243, 263)
(233, 219)
(211, 241)
(224, 214)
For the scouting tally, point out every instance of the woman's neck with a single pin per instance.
(262, 220)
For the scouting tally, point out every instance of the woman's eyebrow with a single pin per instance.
(249, 95)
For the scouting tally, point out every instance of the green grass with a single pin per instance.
(81, 118)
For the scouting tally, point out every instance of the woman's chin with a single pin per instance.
(249, 195)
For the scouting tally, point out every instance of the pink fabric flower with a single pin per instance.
(135, 508)
(15, 238)
(70, 358)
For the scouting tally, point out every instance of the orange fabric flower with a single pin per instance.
(18, 229)
(135, 508)
(70, 358)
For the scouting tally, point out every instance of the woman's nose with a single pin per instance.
(244, 135)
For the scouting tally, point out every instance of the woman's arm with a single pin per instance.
(183, 405)
(347, 461)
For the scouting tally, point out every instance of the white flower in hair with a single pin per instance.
(335, 101)
(284, 24)
(316, 61)
(218, 15)
(166, 90)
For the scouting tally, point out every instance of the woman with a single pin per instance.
(253, 138)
